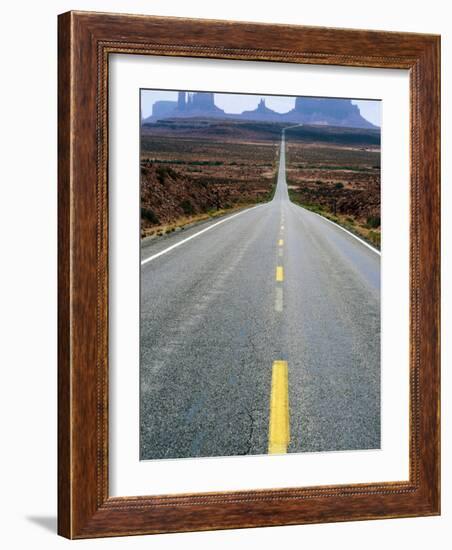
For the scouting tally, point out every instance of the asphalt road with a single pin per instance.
(266, 325)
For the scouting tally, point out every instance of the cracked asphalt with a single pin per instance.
(213, 322)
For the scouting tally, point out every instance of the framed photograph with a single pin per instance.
(248, 275)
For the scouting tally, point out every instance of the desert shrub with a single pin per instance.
(161, 174)
(339, 185)
(374, 237)
(373, 222)
(149, 215)
(170, 172)
(187, 207)
(201, 183)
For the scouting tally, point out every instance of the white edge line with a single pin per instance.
(145, 261)
(343, 229)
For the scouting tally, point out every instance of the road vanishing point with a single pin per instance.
(260, 333)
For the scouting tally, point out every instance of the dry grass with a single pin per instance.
(187, 221)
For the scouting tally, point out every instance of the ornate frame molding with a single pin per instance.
(85, 42)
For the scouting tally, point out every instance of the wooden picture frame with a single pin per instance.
(86, 40)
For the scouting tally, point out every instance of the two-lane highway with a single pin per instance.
(260, 332)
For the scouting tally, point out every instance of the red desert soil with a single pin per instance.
(184, 180)
(341, 183)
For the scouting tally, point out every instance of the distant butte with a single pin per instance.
(307, 110)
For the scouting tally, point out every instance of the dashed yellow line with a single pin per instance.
(281, 242)
(279, 426)
(279, 274)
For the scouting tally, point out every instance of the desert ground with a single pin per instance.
(197, 169)
(339, 181)
(190, 174)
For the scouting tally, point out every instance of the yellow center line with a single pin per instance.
(280, 242)
(279, 426)
(279, 274)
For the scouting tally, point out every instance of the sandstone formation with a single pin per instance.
(307, 110)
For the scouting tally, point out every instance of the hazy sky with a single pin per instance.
(236, 103)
